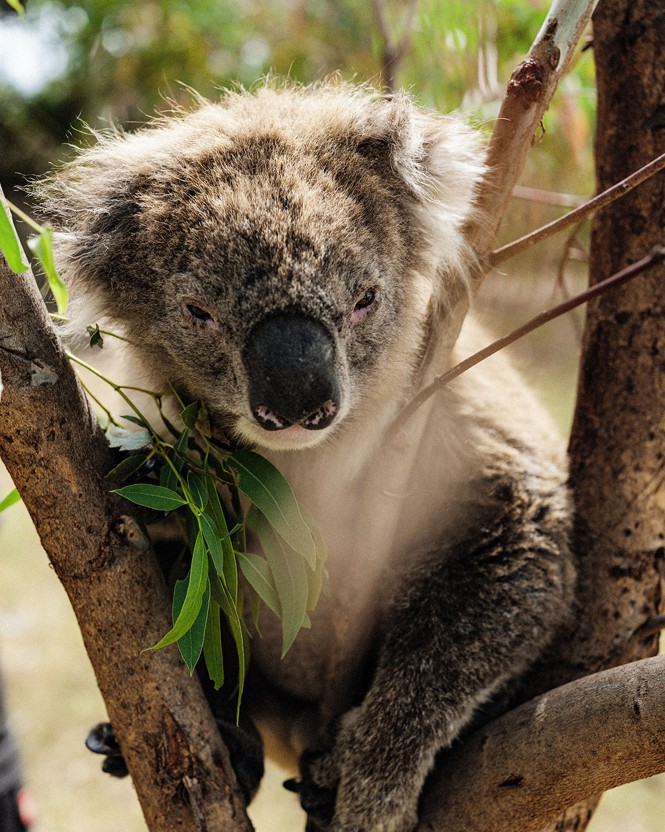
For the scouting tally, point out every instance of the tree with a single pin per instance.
(88, 534)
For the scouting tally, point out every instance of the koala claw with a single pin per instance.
(101, 740)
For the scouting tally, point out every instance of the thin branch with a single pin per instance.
(522, 770)
(393, 53)
(656, 256)
(545, 197)
(586, 209)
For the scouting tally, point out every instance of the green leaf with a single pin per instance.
(42, 246)
(289, 575)
(95, 334)
(135, 420)
(196, 587)
(221, 595)
(212, 646)
(10, 245)
(10, 499)
(191, 643)
(167, 476)
(258, 575)
(215, 510)
(189, 415)
(126, 468)
(151, 496)
(213, 542)
(198, 489)
(17, 6)
(270, 492)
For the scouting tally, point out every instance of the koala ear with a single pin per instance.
(440, 160)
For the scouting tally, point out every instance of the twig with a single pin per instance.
(393, 53)
(545, 197)
(656, 256)
(605, 198)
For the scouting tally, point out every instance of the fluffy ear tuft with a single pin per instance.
(441, 161)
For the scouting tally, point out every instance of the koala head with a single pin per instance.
(272, 254)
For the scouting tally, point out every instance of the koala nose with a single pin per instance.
(290, 364)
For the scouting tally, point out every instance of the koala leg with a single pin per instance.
(468, 621)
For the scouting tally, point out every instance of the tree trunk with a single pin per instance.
(57, 456)
(617, 467)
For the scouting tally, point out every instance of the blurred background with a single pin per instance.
(68, 66)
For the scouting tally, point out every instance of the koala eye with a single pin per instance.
(365, 304)
(197, 315)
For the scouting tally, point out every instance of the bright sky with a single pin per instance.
(31, 53)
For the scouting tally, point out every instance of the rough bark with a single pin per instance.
(589, 735)
(57, 457)
(618, 436)
(617, 462)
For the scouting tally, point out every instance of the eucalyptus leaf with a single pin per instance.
(135, 420)
(270, 492)
(221, 594)
(213, 542)
(197, 489)
(11, 499)
(191, 643)
(196, 587)
(125, 469)
(151, 496)
(10, 245)
(189, 415)
(96, 339)
(128, 440)
(216, 512)
(212, 645)
(17, 6)
(289, 576)
(42, 246)
(258, 575)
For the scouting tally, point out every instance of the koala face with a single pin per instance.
(263, 253)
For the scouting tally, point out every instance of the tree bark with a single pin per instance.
(617, 468)
(590, 735)
(57, 457)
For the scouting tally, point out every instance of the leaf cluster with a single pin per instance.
(218, 496)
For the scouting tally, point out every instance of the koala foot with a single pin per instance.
(342, 791)
(102, 740)
(243, 743)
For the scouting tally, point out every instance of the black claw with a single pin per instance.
(101, 740)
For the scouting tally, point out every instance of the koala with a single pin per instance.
(280, 256)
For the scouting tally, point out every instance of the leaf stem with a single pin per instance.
(23, 216)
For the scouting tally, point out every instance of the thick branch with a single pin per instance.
(528, 95)
(521, 770)
(57, 457)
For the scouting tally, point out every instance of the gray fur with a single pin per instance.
(449, 568)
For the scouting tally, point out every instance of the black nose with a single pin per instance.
(290, 362)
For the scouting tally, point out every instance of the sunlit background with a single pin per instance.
(69, 66)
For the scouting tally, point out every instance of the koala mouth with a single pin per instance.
(317, 420)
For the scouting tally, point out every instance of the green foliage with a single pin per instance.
(42, 246)
(194, 478)
(17, 6)
(10, 245)
(11, 498)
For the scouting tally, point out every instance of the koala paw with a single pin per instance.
(348, 788)
(102, 740)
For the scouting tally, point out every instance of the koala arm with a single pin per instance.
(469, 620)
